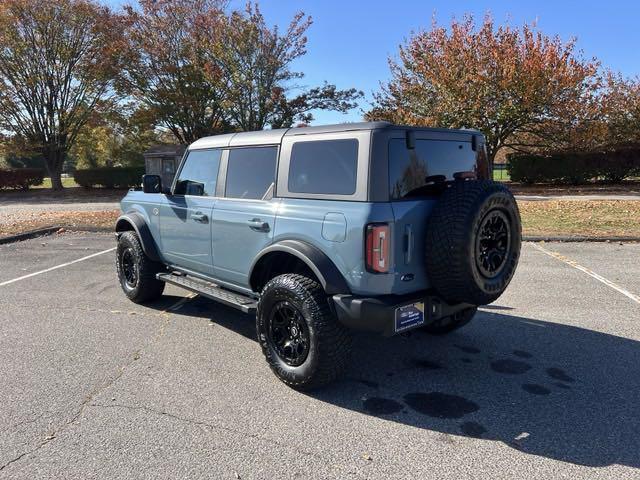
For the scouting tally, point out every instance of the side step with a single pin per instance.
(212, 291)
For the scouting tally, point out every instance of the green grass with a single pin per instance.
(66, 182)
(501, 175)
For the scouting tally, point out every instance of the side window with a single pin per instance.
(324, 166)
(251, 172)
(199, 174)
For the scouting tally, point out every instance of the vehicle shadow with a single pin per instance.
(544, 388)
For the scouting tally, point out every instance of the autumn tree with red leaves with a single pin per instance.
(57, 63)
(201, 70)
(511, 83)
(166, 71)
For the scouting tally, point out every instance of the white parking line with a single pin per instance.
(591, 273)
(8, 282)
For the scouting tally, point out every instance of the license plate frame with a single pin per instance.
(409, 316)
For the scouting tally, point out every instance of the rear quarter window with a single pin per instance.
(324, 166)
(409, 169)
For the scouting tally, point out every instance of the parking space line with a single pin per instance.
(8, 282)
(576, 265)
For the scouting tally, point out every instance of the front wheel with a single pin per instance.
(302, 340)
(136, 271)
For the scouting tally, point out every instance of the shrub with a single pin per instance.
(109, 177)
(575, 168)
(21, 178)
(616, 165)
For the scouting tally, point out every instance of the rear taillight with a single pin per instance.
(378, 241)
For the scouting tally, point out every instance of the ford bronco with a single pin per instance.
(324, 230)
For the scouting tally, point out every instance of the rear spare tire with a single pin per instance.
(473, 242)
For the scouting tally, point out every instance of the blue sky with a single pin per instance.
(350, 41)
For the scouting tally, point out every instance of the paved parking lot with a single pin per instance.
(543, 384)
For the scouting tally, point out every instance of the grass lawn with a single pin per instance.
(66, 182)
(594, 219)
(501, 175)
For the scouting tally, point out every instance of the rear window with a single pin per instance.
(409, 169)
(324, 166)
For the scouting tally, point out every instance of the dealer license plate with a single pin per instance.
(409, 316)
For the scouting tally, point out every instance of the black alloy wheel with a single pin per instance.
(129, 268)
(289, 333)
(493, 243)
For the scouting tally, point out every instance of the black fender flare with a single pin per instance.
(318, 262)
(135, 221)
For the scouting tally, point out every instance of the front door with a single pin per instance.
(244, 219)
(186, 215)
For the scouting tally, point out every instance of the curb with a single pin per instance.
(40, 232)
(89, 229)
(580, 239)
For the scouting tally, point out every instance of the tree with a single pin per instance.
(118, 138)
(509, 83)
(166, 71)
(57, 62)
(254, 63)
(200, 70)
(620, 105)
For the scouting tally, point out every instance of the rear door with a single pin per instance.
(185, 216)
(244, 218)
(413, 193)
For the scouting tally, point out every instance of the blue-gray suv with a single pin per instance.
(320, 231)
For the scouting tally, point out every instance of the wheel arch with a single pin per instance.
(316, 261)
(133, 221)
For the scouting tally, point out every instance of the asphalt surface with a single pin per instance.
(543, 384)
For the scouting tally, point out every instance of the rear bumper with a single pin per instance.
(378, 314)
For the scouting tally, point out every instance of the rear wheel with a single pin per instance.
(303, 342)
(453, 322)
(136, 271)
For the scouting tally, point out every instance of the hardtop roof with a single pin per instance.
(274, 137)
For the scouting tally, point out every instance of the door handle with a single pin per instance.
(200, 217)
(258, 225)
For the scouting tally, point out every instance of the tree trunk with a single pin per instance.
(54, 160)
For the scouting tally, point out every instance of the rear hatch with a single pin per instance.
(420, 163)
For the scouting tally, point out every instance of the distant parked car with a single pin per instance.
(324, 230)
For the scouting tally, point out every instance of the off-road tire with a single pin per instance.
(452, 231)
(145, 287)
(453, 322)
(329, 341)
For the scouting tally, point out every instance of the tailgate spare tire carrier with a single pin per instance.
(473, 242)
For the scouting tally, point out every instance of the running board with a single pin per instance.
(211, 290)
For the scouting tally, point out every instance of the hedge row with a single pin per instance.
(21, 178)
(109, 177)
(574, 168)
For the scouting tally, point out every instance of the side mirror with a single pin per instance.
(195, 188)
(151, 184)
